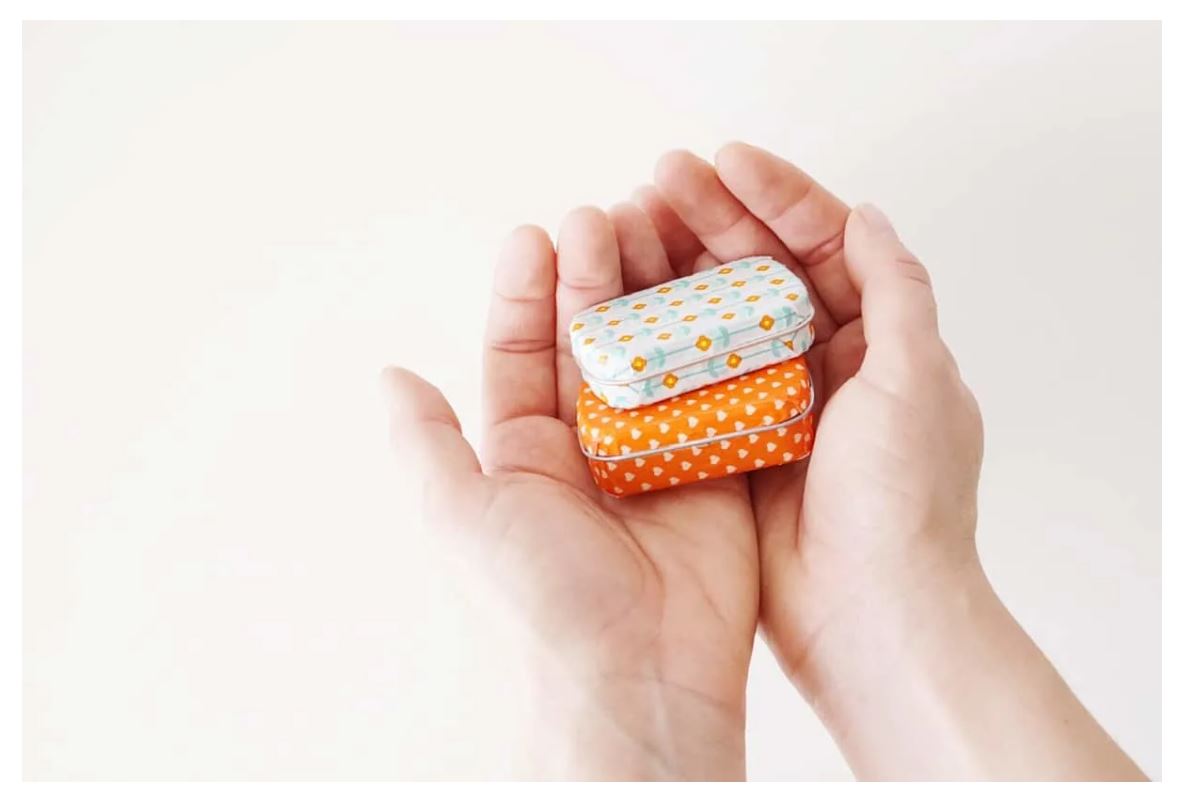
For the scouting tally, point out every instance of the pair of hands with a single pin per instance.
(646, 607)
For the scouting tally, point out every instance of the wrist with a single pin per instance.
(933, 678)
(896, 623)
(624, 727)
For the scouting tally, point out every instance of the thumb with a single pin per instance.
(896, 299)
(426, 438)
(897, 303)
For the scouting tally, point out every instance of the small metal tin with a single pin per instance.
(741, 424)
(693, 331)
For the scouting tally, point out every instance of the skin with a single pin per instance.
(860, 565)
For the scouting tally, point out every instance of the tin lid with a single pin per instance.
(688, 320)
(770, 397)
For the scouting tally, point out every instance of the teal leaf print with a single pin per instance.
(656, 358)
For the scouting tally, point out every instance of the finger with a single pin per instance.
(519, 354)
(643, 258)
(706, 261)
(589, 272)
(725, 227)
(897, 303)
(807, 218)
(681, 244)
(426, 438)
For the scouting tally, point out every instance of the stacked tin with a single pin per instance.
(697, 378)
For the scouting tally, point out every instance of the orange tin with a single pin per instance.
(744, 423)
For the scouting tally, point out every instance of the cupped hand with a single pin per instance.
(646, 607)
(887, 500)
(872, 594)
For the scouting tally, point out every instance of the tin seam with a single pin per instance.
(707, 440)
(759, 341)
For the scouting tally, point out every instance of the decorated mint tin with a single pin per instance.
(693, 331)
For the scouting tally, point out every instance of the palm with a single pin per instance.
(818, 525)
(659, 587)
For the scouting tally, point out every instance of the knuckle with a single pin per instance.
(929, 359)
(910, 268)
(971, 404)
(522, 346)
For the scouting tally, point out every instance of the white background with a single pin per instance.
(229, 229)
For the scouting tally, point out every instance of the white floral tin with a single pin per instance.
(693, 331)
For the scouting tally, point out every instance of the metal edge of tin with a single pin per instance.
(641, 377)
(810, 407)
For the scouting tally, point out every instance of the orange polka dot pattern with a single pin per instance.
(742, 424)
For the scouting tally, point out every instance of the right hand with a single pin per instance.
(872, 593)
(890, 489)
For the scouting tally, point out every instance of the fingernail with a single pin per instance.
(875, 219)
